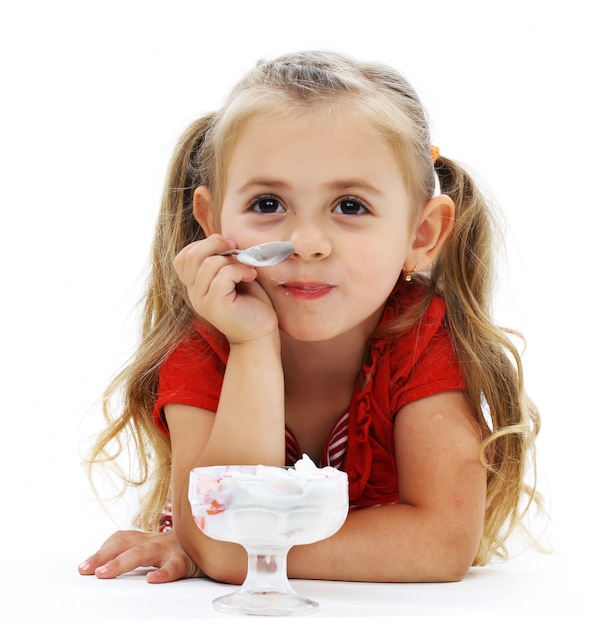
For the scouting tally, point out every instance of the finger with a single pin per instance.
(224, 285)
(253, 287)
(216, 286)
(174, 569)
(85, 568)
(117, 543)
(142, 555)
(192, 256)
(201, 278)
(108, 550)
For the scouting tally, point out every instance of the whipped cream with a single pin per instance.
(269, 506)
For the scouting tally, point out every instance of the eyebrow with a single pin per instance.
(262, 182)
(337, 185)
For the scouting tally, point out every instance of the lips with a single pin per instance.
(306, 291)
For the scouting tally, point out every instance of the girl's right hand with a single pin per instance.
(225, 292)
(126, 550)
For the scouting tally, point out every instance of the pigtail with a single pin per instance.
(176, 227)
(489, 359)
(129, 399)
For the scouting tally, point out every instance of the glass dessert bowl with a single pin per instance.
(268, 510)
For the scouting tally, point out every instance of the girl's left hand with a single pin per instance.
(124, 551)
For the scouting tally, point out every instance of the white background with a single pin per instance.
(94, 97)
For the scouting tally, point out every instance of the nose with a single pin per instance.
(311, 242)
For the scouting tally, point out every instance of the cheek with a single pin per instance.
(379, 261)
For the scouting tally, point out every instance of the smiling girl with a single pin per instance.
(370, 349)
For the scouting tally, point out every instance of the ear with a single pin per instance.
(202, 209)
(434, 226)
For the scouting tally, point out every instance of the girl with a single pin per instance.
(370, 349)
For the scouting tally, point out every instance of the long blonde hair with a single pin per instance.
(462, 275)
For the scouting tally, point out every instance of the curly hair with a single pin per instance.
(462, 275)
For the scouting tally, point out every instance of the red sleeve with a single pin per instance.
(435, 371)
(192, 374)
(432, 365)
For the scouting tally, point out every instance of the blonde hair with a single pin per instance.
(462, 275)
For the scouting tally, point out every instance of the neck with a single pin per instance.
(324, 363)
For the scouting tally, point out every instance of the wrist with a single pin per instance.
(266, 346)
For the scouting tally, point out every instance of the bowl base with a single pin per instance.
(264, 603)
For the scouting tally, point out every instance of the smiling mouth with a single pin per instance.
(306, 291)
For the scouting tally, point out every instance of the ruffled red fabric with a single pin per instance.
(398, 370)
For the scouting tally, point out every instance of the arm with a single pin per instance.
(431, 535)
(248, 426)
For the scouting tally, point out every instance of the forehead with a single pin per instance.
(309, 143)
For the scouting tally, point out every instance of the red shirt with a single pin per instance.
(398, 370)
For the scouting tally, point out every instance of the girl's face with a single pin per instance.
(333, 188)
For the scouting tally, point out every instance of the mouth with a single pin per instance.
(306, 291)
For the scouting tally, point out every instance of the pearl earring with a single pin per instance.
(408, 274)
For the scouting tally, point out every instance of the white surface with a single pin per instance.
(519, 591)
(94, 97)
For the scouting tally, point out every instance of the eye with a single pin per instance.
(350, 206)
(266, 204)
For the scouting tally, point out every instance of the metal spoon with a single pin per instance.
(264, 254)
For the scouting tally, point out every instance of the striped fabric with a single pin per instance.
(334, 452)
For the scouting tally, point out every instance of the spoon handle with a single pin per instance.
(229, 252)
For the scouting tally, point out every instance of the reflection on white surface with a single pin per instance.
(528, 587)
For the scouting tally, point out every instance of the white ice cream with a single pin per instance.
(269, 506)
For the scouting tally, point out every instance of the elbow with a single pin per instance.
(221, 561)
(450, 571)
(448, 563)
(455, 562)
(455, 551)
(455, 571)
(223, 571)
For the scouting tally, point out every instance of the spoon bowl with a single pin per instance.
(264, 254)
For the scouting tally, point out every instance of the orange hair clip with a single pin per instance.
(435, 152)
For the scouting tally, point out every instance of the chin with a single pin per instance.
(320, 331)
(308, 334)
